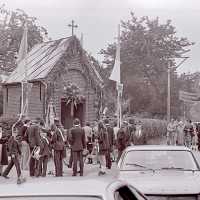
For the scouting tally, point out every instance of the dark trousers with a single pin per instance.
(77, 156)
(198, 144)
(70, 159)
(32, 164)
(108, 159)
(42, 166)
(14, 161)
(58, 161)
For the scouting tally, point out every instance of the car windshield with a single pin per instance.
(158, 160)
(75, 197)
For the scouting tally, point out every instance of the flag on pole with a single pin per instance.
(81, 40)
(23, 46)
(115, 75)
(22, 60)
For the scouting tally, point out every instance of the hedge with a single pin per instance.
(7, 122)
(152, 128)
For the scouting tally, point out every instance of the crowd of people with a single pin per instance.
(183, 133)
(34, 146)
(101, 143)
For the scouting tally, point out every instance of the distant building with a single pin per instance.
(50, 67)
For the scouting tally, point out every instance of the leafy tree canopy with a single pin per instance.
(11, 31)
(148, 48)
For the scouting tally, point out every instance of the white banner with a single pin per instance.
(189, 97)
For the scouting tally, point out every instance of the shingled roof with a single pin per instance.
(41, 60)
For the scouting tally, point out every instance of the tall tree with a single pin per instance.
(148, 48)
(11, 30)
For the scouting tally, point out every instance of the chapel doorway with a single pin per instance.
(66, 115)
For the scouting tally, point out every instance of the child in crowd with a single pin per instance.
(89, 148)
(44, 154)
(14, 152)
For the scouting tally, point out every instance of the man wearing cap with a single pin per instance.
(78, 144)
(33, 138)
(110, 132)
(58, 144)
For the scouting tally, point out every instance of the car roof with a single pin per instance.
(157, 147)
(58, 186)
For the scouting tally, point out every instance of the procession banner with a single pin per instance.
(115, 74)
(189, 97)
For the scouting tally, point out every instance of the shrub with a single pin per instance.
(7, 122)
(152, 128)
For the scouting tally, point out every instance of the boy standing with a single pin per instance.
(14, 152)
(44, 155)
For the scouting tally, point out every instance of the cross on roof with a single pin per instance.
(73, 25)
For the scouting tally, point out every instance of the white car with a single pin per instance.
(161, 172)
(70, 189)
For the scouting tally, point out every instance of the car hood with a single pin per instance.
(163, 181)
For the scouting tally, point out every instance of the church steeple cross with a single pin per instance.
(73, 25)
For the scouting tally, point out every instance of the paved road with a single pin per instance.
(90, 171)
(158, 141)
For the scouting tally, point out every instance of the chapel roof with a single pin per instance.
(42, 59)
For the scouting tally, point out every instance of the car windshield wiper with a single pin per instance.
(176, 168)
(138, 165)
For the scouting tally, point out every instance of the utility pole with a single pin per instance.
(168, 94)
(73, 25)
(169, 86)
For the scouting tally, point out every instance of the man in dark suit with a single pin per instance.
(110, 132)
(78, 144)
(58, 144)
(33, 134)
(3, 150)
(122, 140)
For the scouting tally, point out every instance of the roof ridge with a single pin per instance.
(63, 38)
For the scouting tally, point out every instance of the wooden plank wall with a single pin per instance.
(75, 73)
(11, 100)
(11, 103)
(36, 100)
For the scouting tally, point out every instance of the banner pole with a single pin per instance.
(22, 98)
(118, 111)
(168, 95)
(184, 111)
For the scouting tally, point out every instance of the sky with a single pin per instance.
(98, 20)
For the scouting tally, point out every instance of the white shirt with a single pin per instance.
(88, 131)
(115, 129)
